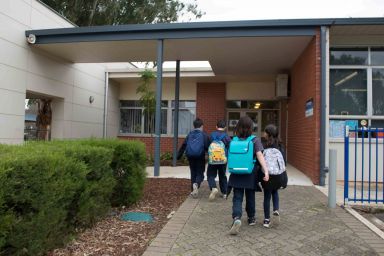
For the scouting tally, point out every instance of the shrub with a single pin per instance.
(93, 200)
(128, 164)
(37, 191)
(48, 189)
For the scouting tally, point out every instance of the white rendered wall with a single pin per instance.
(25, 69)
(187, 90)
(338, 144)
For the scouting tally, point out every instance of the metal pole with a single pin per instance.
(332, 178)
(323, 114)
(159, 85)
(176, 114)
(105, 105)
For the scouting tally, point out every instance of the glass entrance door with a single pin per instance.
(234, 116)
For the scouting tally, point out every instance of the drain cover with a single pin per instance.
(137, 217)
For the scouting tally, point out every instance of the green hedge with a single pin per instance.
(47, 190)
(128, 164)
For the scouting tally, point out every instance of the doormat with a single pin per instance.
(137, 217)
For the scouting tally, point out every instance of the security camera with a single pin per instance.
(31, 39)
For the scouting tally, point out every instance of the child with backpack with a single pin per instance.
(195, 145)
(275, 159)
(243, 150)
(217, 160)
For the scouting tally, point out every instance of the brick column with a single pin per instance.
(304, 132)
(210, 104)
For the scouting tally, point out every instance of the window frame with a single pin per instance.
(368, 68)
(168, 108)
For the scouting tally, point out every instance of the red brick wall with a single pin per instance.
(166, 143)
(210, 104)
(304, 132)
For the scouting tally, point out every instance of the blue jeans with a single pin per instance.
(267, 202)
(212, 172)
(237, 201)
(197, 167)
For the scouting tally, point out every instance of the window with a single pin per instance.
(378, 91)
(348, 92)
(356, 90)
(349, 56)
(134, 120)
(187, 113)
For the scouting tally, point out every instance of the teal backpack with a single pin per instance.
(240, 156)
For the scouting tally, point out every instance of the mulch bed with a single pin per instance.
(112, 236)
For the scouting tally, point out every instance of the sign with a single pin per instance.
(309, 108)
(336, 128)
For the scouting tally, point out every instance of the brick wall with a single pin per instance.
(304, 132)
(210, 104)
(166, 143)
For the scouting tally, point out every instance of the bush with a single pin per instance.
(37, 191)
(93, 200)
(128, 164)
(48, 189)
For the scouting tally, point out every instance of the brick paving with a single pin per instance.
(307, 227)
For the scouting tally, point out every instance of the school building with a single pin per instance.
(310, 77)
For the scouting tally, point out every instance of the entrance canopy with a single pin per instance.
(231, 47)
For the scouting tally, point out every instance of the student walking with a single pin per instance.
(195, 145)
(244, 182)
(217, 160)
(275, 159)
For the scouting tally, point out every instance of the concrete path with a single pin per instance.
(295, 177)
(307, 227)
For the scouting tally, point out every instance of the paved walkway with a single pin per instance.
(307, 227)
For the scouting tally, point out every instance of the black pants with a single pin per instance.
(197, 167)
(212, 171)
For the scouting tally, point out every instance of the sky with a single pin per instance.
(221, 10)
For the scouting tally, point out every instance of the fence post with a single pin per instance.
(332, 178)
(346, 164)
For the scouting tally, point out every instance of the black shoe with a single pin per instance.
(266, 223)
(251, 221)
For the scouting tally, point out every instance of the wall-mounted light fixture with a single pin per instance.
(91, 99)
(31, 39)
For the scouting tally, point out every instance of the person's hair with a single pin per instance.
(221, 124)
(272, 139)
(197, 123)
(244, 127)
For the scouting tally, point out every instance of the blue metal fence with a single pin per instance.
(364, 165)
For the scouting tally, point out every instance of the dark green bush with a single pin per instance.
(93, 200)
(37, 190)
(128, 164)
(49, 189)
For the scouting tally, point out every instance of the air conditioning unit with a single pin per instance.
(282, 86)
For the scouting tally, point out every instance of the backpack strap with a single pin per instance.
(215, 136)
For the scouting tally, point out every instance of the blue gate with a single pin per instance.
(364, 165)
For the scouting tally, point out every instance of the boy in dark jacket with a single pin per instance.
(195, 145)
(218, 169)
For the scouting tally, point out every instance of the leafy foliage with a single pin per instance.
(49, 189)
(115, 12)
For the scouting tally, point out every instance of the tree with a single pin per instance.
(116, 12)
(147, 98)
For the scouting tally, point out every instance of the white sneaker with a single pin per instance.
(195, 191)
(235, 227)
(276, 217)
(213, 194)
(225, 197)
